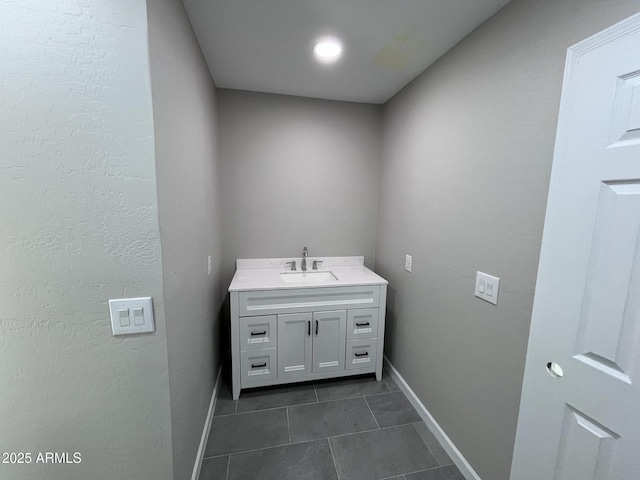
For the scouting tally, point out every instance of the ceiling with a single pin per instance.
(266, 45)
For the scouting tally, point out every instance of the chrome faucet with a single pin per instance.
(305, 254)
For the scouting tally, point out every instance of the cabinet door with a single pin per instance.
(329, 332)
(294, 344)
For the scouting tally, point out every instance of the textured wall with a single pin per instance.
(78, 225)
(464, 180)
(185, 118)
(296, 172)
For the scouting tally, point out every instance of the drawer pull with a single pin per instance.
(259, 365)
(253, 334)
(362, 354)
(365, 324)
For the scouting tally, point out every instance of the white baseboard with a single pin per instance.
(462, 464)
(207, 426)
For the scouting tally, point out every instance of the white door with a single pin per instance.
(329, 341)
(580, 410)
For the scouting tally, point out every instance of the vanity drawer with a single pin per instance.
(257, 333)
(264, 302)
(362, 323)
(258, 364)
(361, 353)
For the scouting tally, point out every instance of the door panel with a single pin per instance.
(608, 331)
(586, 448)
(625, 126)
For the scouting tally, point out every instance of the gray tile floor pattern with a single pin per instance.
(346, 429)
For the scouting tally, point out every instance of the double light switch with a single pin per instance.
(487, 287)
(131, 315)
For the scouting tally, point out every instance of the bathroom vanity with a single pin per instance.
(294, 326)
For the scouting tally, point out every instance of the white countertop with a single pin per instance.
(264, 273)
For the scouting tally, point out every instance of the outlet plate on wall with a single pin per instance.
(131, 315)
(487, 287)
(408, 263)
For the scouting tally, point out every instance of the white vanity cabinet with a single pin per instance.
(303, 333)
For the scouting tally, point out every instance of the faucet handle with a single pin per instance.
(292, 263)
(316, 263)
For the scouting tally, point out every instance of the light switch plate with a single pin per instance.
(487, 287)
(408, 263)
(131, 315)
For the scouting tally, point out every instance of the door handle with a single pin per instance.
(309, 327)
(554, 370)
(316, 327)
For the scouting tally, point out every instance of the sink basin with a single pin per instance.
(308, 277)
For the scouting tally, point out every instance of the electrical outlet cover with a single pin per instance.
(139, 312)
(487, 287)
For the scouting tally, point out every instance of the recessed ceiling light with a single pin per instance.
(327, 50)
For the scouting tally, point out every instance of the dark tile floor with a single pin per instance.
(345, 429)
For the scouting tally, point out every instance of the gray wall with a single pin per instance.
(467, 152)
(186, 133)
(296, 172)
(79, 225)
